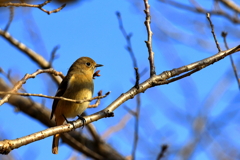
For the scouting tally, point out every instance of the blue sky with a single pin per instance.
(92, 30)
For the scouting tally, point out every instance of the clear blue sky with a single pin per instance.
(92, 30)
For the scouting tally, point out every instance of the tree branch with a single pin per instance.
(224, 35)
(60, 98)
(5, 146)
(19, 84)
(74, 139)
(213, 33)
(149, 41)
(33, 5)
(30, 53)
(234, 19)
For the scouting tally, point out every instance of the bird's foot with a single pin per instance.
(82, 119)
(71, 122)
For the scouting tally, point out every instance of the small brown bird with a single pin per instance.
(78, 84)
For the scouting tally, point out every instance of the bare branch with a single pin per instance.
(33, 5)
(149, 41)
(137, 78)
(159, 79)
(230, 4)
(122, 123)
(7, 145)
(130, 111)
(212, 30)
(136, 126)
(234, 19)
(60, 98)
(11, 9)
(53, 54)
(74, 139)
(224, 35)
(30, 53)
(163, 150)
(134, 60)
(128, 39)
(98, 99)
(19, 84)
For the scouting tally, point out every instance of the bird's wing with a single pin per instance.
(61, 90)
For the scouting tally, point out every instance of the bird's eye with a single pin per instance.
(88, 64)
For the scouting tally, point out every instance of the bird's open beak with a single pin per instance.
(98, 65)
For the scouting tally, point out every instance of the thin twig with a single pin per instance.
(128, 39)
(163, 151)
(13, 81)
(224, 35)
(53, 55)
(130, 111)
(197, 9)
(136, 127)
(149, 41)
(19, 84)
(60, 98)
(212, 30)
(119, 126)
(11, 9)
(52, 97)
(137, 78)
(98, 99)
(33, 5)
(134, 60)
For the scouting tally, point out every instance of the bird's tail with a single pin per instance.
(59, 121)
(55, 143)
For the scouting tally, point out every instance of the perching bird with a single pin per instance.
(78, 84)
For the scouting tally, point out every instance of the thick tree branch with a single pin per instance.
(74, 138)
(231, 5)
(163, 77)
(108, 111)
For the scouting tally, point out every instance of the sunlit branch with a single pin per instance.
(10, 4)
(149, 41)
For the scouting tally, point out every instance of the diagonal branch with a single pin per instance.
(8, 145)
(44, 64)
(196, 9)
(74, 139)
(231, 5)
